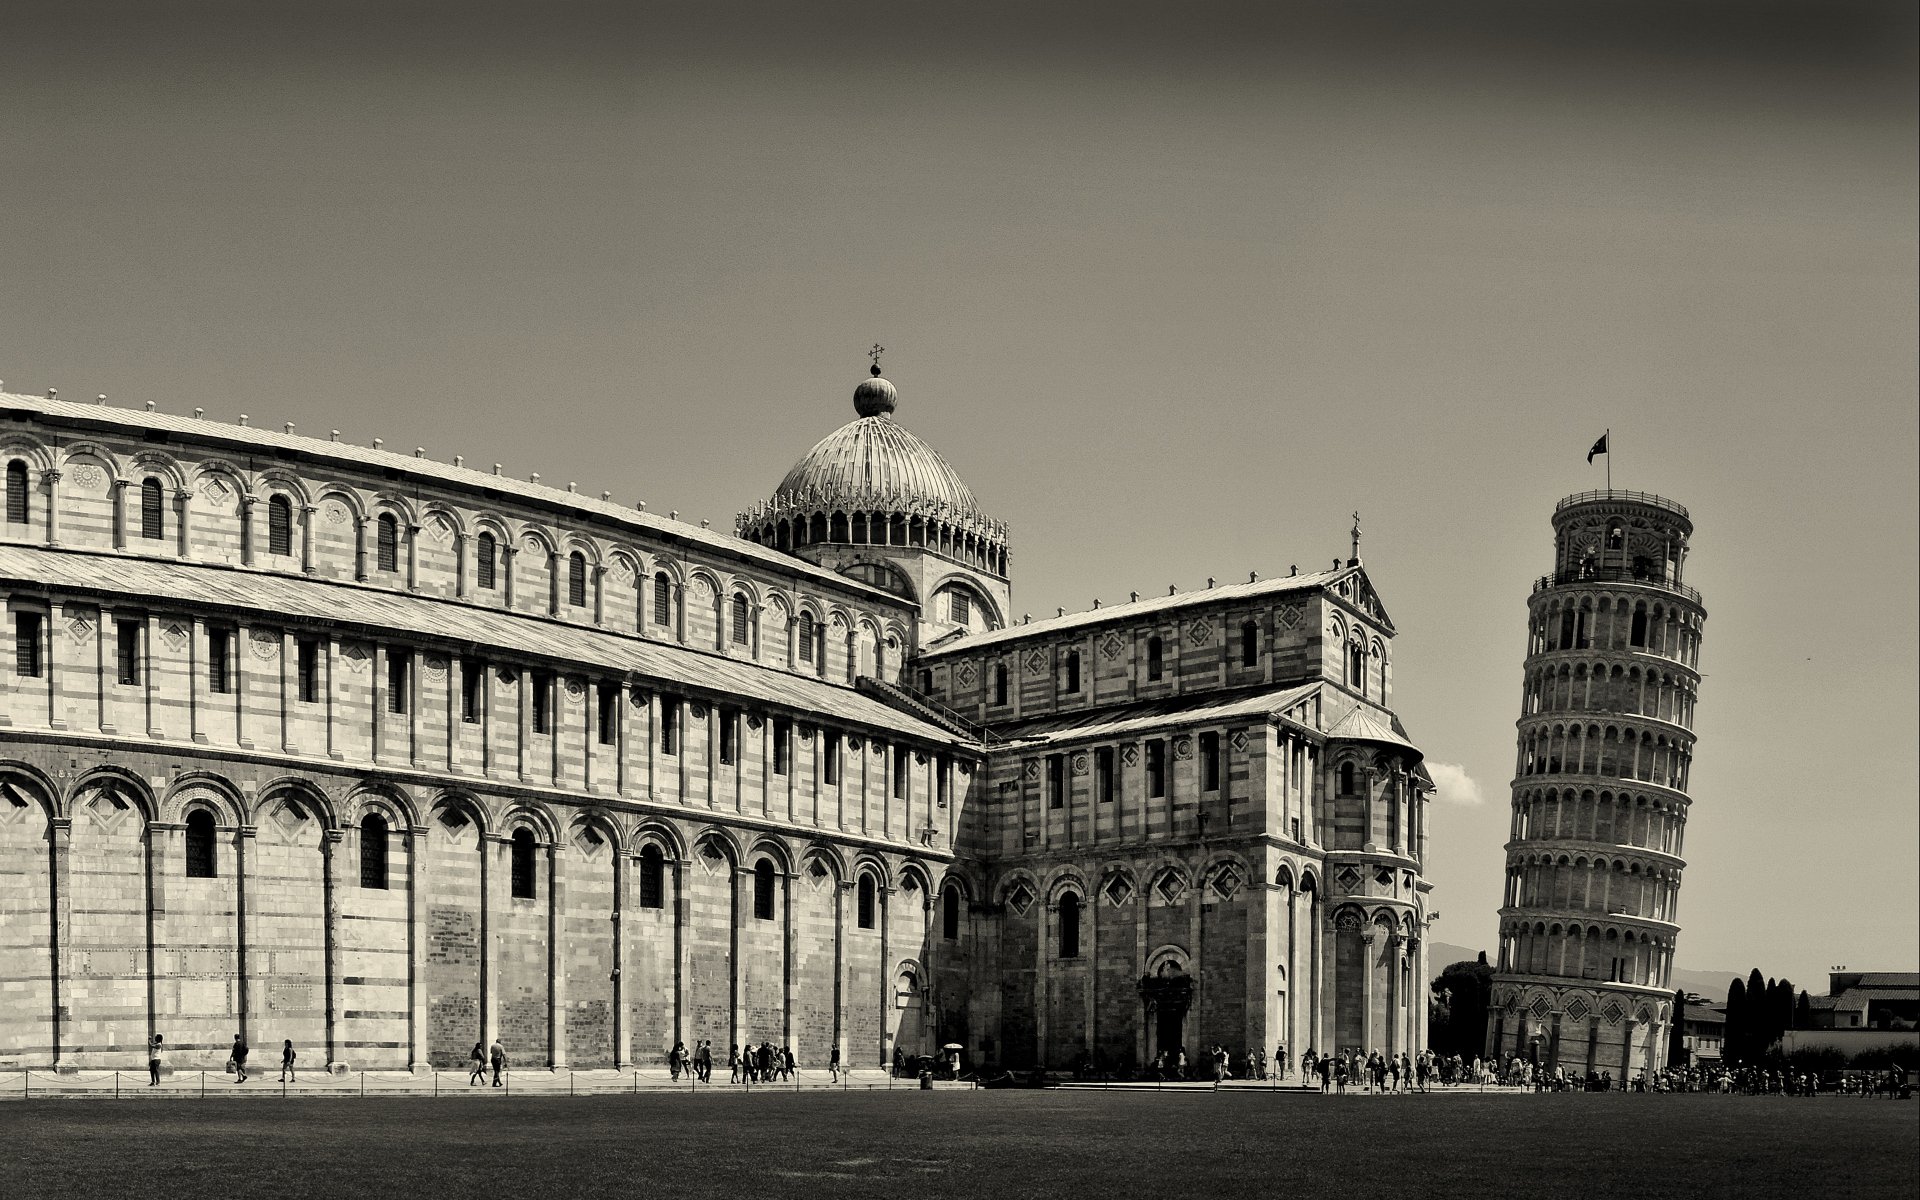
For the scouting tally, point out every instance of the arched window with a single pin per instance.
(662, 599)
(279, 525)
(1000, 683)
(577, 579)
(1069, 926)
(805, 637)
(201, 860)
(373, 852)
(1249, 644)
(387, 543)
(153, 516)
(950, 914)
(653, 878)
(739, 619)
(523, 873)
(1346, 779)
(17, 493)
(867, 896)
(763, 890)
(1156, 658)
(486, 562)
(1073, 671)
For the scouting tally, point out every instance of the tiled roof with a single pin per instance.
(322, 603)
(460, 479)
(1134, 610)
(1362, 724)
(1158, 714)
(1888, 979)
(1822, 1002)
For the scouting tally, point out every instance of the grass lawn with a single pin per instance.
(1001, 1145)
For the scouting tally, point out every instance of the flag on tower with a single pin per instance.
(1599, 447)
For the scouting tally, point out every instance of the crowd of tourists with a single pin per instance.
(765, 1063)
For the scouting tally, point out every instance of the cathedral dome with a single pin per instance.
(874, 463)
(871, 481)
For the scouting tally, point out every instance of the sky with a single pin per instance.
(1176, 288)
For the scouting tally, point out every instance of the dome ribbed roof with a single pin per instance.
(876, 463)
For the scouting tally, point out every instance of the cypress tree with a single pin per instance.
(1677, 1037)
(1735, 1048)
(1803, 1013)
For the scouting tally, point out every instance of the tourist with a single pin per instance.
(833, 1064)
(899, 1061)
(1325, 1068)
(156, 1047)
(1280, 1061)
(477, 1064)
(788, 1063)
(239, 1059)
(703, 1061)
(1180, 1064)
(733, 1063)
(1309, 1064)
(497, 1055)
(1340, 1073)
(286, 1061)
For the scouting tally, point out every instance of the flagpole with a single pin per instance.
(1609, 457)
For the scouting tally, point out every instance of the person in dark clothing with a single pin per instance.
(477, 1064)
(286, 1062)
(899, 1061)
(833, 1064)
(239, 1059)
(156, 1047)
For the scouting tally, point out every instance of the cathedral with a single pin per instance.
(387, 756)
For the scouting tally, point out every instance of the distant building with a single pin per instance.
(1703, 1031)
(1867, 1000)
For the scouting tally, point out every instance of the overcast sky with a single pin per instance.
(1174, 287)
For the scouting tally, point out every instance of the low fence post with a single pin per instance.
(116, 1085)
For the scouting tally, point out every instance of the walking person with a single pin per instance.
(239, 1059)
(788, 1063)
(286, 1062)
(156, 1048)
(899, 1061)
(497, 1055)
(833, 1065)
(733, 1063)
(477, 1064)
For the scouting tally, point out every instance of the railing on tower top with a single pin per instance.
(1617, 494)
(1614, 575)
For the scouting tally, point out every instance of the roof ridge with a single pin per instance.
(1133, 608)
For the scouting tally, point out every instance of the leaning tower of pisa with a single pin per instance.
(1591, 909)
